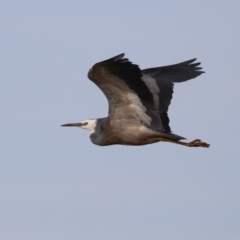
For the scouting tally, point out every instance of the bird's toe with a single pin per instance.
(198, 143)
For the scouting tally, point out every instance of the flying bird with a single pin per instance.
(138, 102)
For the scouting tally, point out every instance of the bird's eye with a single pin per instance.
(84, 124)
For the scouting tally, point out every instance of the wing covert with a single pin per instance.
(128, 96)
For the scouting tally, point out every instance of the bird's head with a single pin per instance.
(87, 124)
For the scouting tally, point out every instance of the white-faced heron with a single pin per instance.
(138, 102)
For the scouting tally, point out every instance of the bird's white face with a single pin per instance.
(89, 124)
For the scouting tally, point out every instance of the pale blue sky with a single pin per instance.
(55, 184)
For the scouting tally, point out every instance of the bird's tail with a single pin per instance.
(172, 136)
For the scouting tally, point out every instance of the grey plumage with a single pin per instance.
(138, 102)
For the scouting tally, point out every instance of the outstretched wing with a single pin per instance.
(128, 95)
(160, 81)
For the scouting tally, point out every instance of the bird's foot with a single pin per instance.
(197, 143)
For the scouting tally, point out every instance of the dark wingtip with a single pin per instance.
(115, 58)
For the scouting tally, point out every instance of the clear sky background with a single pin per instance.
(55, 184)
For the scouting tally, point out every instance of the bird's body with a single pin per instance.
(125, 132)
(138, 102)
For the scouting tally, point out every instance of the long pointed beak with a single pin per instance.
(72, 125)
